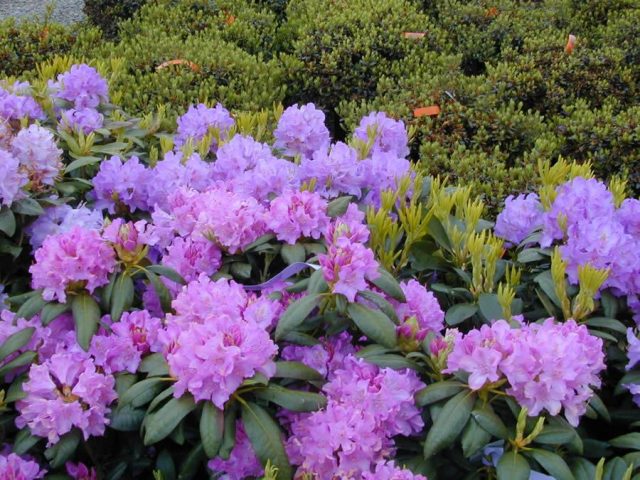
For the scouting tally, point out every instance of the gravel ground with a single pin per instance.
(65, 11)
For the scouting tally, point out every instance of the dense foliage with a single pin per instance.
(506, 84)
(214, 299)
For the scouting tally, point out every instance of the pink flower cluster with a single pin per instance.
(242, 462)
(215, 341)
(14, 467)
(547, 365)
(367, 406)
(77, 258)
(65, 392)
(420, 314)
(295, 215)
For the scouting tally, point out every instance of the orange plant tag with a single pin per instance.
(430, 111)
(229, 20)
(491, 12)
(413, 35)
(571, 44)
(179, 61)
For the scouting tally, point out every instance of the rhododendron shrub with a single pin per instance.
(241, 297)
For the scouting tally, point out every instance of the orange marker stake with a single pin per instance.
(571, 44)
(179, 61)
(413, 35)
(430, 111)
(491, 12)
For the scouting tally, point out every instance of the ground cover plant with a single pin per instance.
(213, 299)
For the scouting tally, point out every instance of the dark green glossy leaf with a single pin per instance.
(438, 391)
(294, 400)
(513, 466)
(161, 290)
(492, 423)
(459, 313)
(296, 313)
(389, 285)
(51, 311)
(374, 324)
(62, 451)
(142, 392)
(86, 315)
(552, 463)
(211, 429)
(15, 342)
(266, 439)
(25, 358)
(296, 370)
(449, 423)
(160, 424)
(629, 441)
(167, 272)
(338, 206)
(292, 253)
(7, 222)
(28, 206)
(32, 306)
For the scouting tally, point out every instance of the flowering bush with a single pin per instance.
(222, 301)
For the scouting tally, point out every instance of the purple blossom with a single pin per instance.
(64, 392)
(82, 86)
(633, 350)
(336, 171)
(80, 471)
(39, 156)
(519, 218)
(366, 407)
(381, 171)
(420, 314)
(326, 357)
(577, 200)
(14, 467)
(211, 360)
(173, 173)
(349, 225)
(347, 266)
(629, 216)
(77, 258)
(86, 120)
(295, 215)
(119, 184)
(387, 470)
(390, 135)
(239, 155)
(12, 179)
(242, 462)
(301, 131)
(15, 105)
(61, 219)
(190, 257)
(199, 121)
(548, 366)
(230, 220)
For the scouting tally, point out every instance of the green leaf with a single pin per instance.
(167, 272)
(154, 365)
(608, 323)
(86, 315)
(552, 463)
(300, 338)
(317, 283)
(397, 362)
(241, 270)
(166, 465)
(7, 222)
(29, 207)
(114, 148)
(51, 311)
(81, 162)
(15, 342)
(24, 440)
(600, 408)
(292, 253)
(211, 429)
(294, 400)
(615, 469)
(450, 422)
(438, 391)
(126, 418)
(629, 441)
(474, 437)
(583, 469)
(160, 424)
(25, 358)
(530, 255)
(545, 281)
(491, 422)
(229, 435)
(389, 285)
(121, 296)
(490, 306)
(31, 307)
(62, 451)
(266, 439)
(609, 304)
(142, 392)
(374, 324)
(438, 233)
(191, 464)
(161, 289)
(459, 313)
(382, 303)
(512, 466)
(338, 206)
(296, 313)
(296, 370)
(555, 435)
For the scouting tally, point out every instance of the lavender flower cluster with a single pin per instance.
(148, 256)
